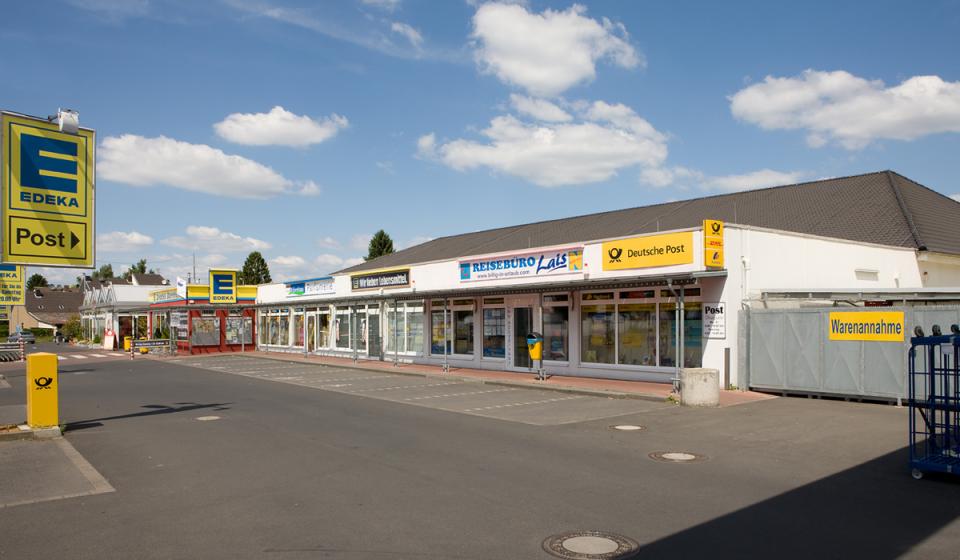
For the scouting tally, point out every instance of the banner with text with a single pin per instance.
(526, 265)
(873, 326)
(649, 251)
(11, 284)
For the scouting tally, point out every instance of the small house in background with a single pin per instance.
(117, 305)
(46, 308)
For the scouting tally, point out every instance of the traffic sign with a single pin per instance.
(47, 189)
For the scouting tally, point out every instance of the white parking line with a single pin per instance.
(398, 387)
(61, 358)
(521, 404)
(99, 355)
(458, 394)
(78, 356)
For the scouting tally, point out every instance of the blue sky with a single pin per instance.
(299, 128)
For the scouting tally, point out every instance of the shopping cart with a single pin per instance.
(934, 401)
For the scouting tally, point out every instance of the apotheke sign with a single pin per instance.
(525, 265)
(388, 279)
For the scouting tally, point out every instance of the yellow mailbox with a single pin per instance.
(42, 389)
(535, 346)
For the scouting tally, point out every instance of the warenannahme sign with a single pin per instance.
(874, 326)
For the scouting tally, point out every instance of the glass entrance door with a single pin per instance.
(522, 326)
(311, 331)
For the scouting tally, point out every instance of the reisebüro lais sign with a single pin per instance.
(526, 265)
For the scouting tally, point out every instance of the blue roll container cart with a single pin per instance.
(934, 401)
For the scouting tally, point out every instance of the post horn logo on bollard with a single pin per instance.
(43, 382)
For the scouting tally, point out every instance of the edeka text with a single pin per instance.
(49, 199)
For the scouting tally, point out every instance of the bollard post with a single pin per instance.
(23, 352)
(42, 389)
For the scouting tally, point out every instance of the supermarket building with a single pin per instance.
(634, 293)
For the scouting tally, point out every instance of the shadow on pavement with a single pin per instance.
(154, 409)
(874, 510)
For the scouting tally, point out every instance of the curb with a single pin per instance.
(26, 432)
(495, 382)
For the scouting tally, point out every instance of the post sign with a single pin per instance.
(223, 286)
(47, 188)
(715, 320)
(713, 243)
(651, 250)
(872, 326)
(11, 284)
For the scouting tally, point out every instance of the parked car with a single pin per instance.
(25, 336)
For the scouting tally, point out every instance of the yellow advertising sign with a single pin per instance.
(713, 243)
(11, 285)
(47, 187)
(874, 326)
(653, 250)
(223, 286)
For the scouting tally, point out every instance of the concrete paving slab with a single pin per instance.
(42, 470)
(12, 414)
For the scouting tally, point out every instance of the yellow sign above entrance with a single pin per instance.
(47, 187)
(223, 286)
(644, 252)
(11, 285)
(873, 326)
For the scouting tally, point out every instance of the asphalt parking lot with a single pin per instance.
(201, 463)
(514, 404)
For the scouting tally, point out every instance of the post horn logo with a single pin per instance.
(43, 382)
(715, 227)
(614, 254)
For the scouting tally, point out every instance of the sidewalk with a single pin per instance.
(605, 387)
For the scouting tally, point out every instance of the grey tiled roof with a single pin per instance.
(53, 306)
(885, 208)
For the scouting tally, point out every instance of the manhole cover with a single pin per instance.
(590, 545)
(677, 457)
(207, 418)
(628, 427)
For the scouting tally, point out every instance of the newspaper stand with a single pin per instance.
(934, 401)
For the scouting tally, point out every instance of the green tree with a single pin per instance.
(139, 268)
(105, 272)
(37, 281)
(72, 328)
(255, 270)
(380, 244)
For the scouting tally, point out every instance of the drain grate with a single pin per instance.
(677, 457)
(591, 545)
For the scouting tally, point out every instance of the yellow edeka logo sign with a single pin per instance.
(47, 192)
(11, 284)
(874, 326)
(652, 250)
(223, 286)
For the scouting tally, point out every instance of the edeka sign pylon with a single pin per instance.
(47, 188)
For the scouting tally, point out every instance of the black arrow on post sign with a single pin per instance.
(73, 240)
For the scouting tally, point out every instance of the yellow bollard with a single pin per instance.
(42, 389)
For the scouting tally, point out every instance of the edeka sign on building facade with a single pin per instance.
(525, 265)
(47, 193)
(11, 284)
(648, 251)
(386, 279)
(223, 286)
(873, 326)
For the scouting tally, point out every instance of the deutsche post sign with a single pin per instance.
(872, 326)
(48, 193)
(223, 286)
(644, 252)
(11, 284)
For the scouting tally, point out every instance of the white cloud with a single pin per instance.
(205, 238)
(852, 111)
(420, 239)
(549, 52)
(291, 261)
(328, 243)
(389, 5)
(123, 241)
(681, 176)
(361, 241)
(143, 162)
(328, 263)
(956, 197)
(539, 109)
(408, 31)
(608, 139)
(279, 127)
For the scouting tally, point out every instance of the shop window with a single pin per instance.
(597, 296)
(598, 333)
(239, 330)
(637, 326)
(206, 331)
(692, 335)
(463, 332)
(493, 301)
(324, 331)
(555, 333)
(343, 329)
(437, 334)
(283, 330)
(556, 298)
(638, 294)
(414, 328)
(298, 329)
(494, 332)
(405, 328)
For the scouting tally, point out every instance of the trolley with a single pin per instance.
(934, 401)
